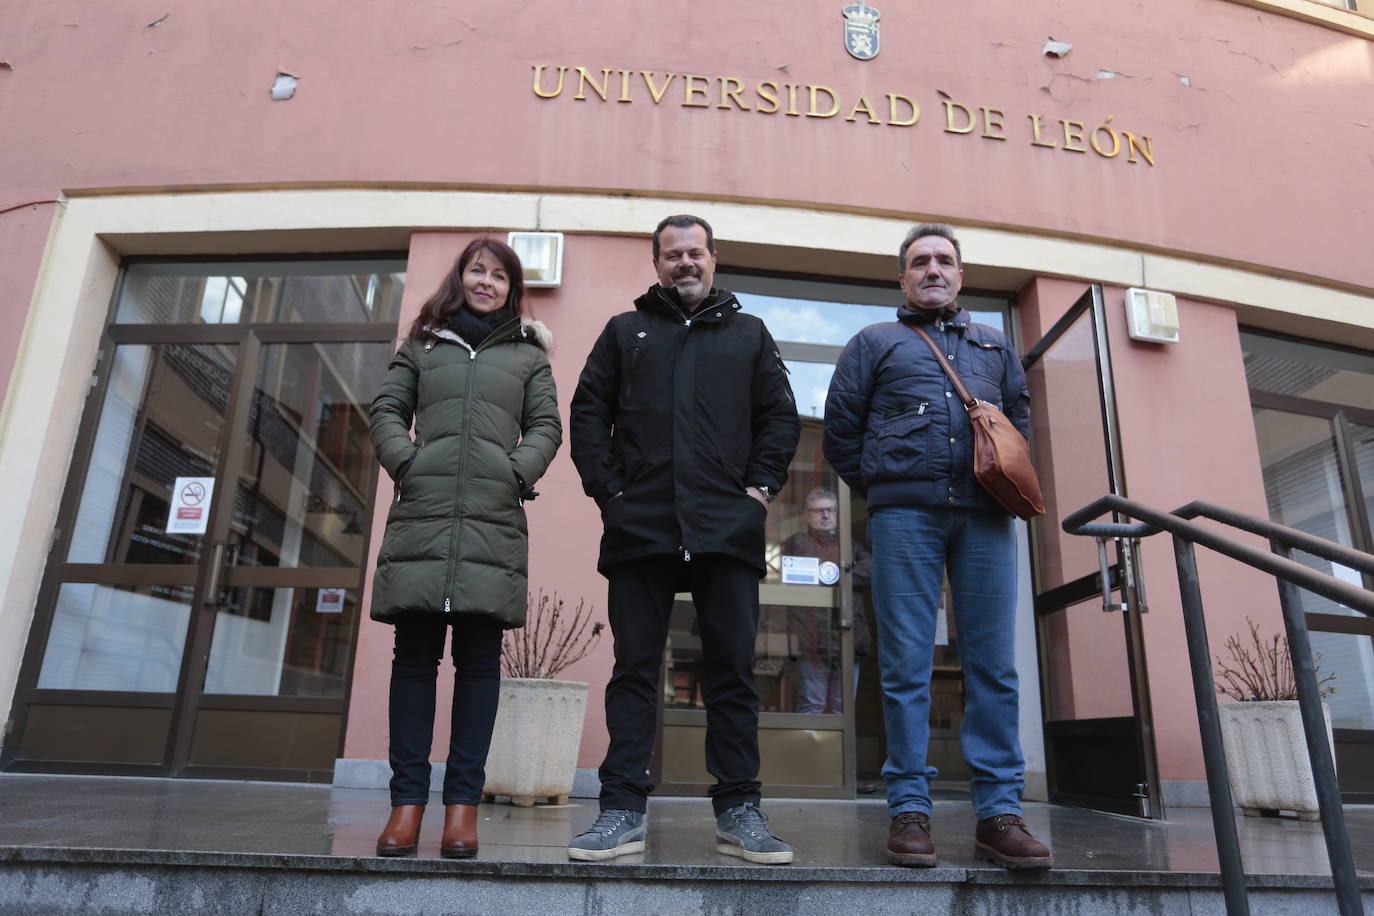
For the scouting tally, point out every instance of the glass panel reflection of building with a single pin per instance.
(1314, 423)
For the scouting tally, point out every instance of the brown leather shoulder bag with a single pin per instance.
(1001, 455)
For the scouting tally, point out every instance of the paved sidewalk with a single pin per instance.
(89, 812)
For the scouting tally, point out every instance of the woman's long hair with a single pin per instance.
(449, 297)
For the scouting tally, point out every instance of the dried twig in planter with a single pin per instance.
(1262, 670)
(551, 640)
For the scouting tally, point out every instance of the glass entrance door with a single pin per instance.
(1099, 736)
(804, 653)
(199, 606)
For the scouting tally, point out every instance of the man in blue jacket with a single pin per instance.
(897, 433)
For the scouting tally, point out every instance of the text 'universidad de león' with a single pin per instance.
(810, 100)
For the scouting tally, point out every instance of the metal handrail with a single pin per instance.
(1291, 576)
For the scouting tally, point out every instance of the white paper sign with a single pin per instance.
(801, 571)
(330, 601)
(942, 627)
(190, 509)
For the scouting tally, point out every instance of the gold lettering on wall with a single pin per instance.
(964, 114)
(915, 110)
(1036, 139)
(1073, 136)
(656, 91)
(1095, 137)
(1133, 146)
(863, 105)
(584, 79)
(992, 123)
(812, 100)
(730, 88)
(538, 70)
(768, 92)
(813, 111)
(690, 90)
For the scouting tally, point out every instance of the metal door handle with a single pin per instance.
(1107, 604)
(216, 566)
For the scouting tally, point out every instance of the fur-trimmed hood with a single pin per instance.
(537, 331)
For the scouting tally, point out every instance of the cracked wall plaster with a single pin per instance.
(284, 87)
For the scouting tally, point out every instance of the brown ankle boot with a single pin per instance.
(401, 834)
(908, 841)
(460, 832)
(1005, 840)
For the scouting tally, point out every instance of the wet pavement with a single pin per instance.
(186, 815)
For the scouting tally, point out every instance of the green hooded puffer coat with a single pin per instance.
(485, 419)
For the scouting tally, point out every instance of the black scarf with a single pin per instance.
(475, 328)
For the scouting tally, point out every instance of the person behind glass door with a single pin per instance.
(816, 636)
(898, 435)
(473, 375)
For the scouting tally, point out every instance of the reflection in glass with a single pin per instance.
(777, 672)
(1362, 443)
(325, 292)
(116, 637)
(808, 472)
(810, 384)
(1068, 447)
(282, 642)
(162, 418)
(1308, 370)
(819, 312)
(1303, 487)
(303, 494)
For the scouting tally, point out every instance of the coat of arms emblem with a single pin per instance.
(861, 31)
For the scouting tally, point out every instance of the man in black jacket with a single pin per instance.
(683, 426)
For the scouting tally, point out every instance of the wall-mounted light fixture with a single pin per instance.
(541, 254)
(1152, 316)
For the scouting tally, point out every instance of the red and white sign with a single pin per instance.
(190, 509)
(330, 601)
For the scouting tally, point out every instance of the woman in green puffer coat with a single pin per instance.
(473, 375)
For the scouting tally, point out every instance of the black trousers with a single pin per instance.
(726, 594)
(476, 690)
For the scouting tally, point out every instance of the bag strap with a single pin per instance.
(947, 364)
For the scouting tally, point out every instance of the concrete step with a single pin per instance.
(125, 881)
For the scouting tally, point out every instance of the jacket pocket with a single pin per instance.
(989, 365)
(898, 447)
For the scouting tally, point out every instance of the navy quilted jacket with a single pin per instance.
(895, 430)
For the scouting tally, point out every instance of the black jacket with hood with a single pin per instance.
(678, 414)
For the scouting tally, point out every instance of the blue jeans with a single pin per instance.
(819, 689)
(913, 546)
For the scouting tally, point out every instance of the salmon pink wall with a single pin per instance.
(1244, 109)
(1187, 433)
(601, 276)
(23, 234)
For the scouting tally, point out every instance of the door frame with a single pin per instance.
(1124, 575)
(838, 599)
(188, 698)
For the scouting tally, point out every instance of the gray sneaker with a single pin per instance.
(616, 832)
(743, 831)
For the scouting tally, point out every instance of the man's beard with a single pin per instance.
(690, 289)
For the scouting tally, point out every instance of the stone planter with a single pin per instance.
(1266, 757)
(534, 746)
